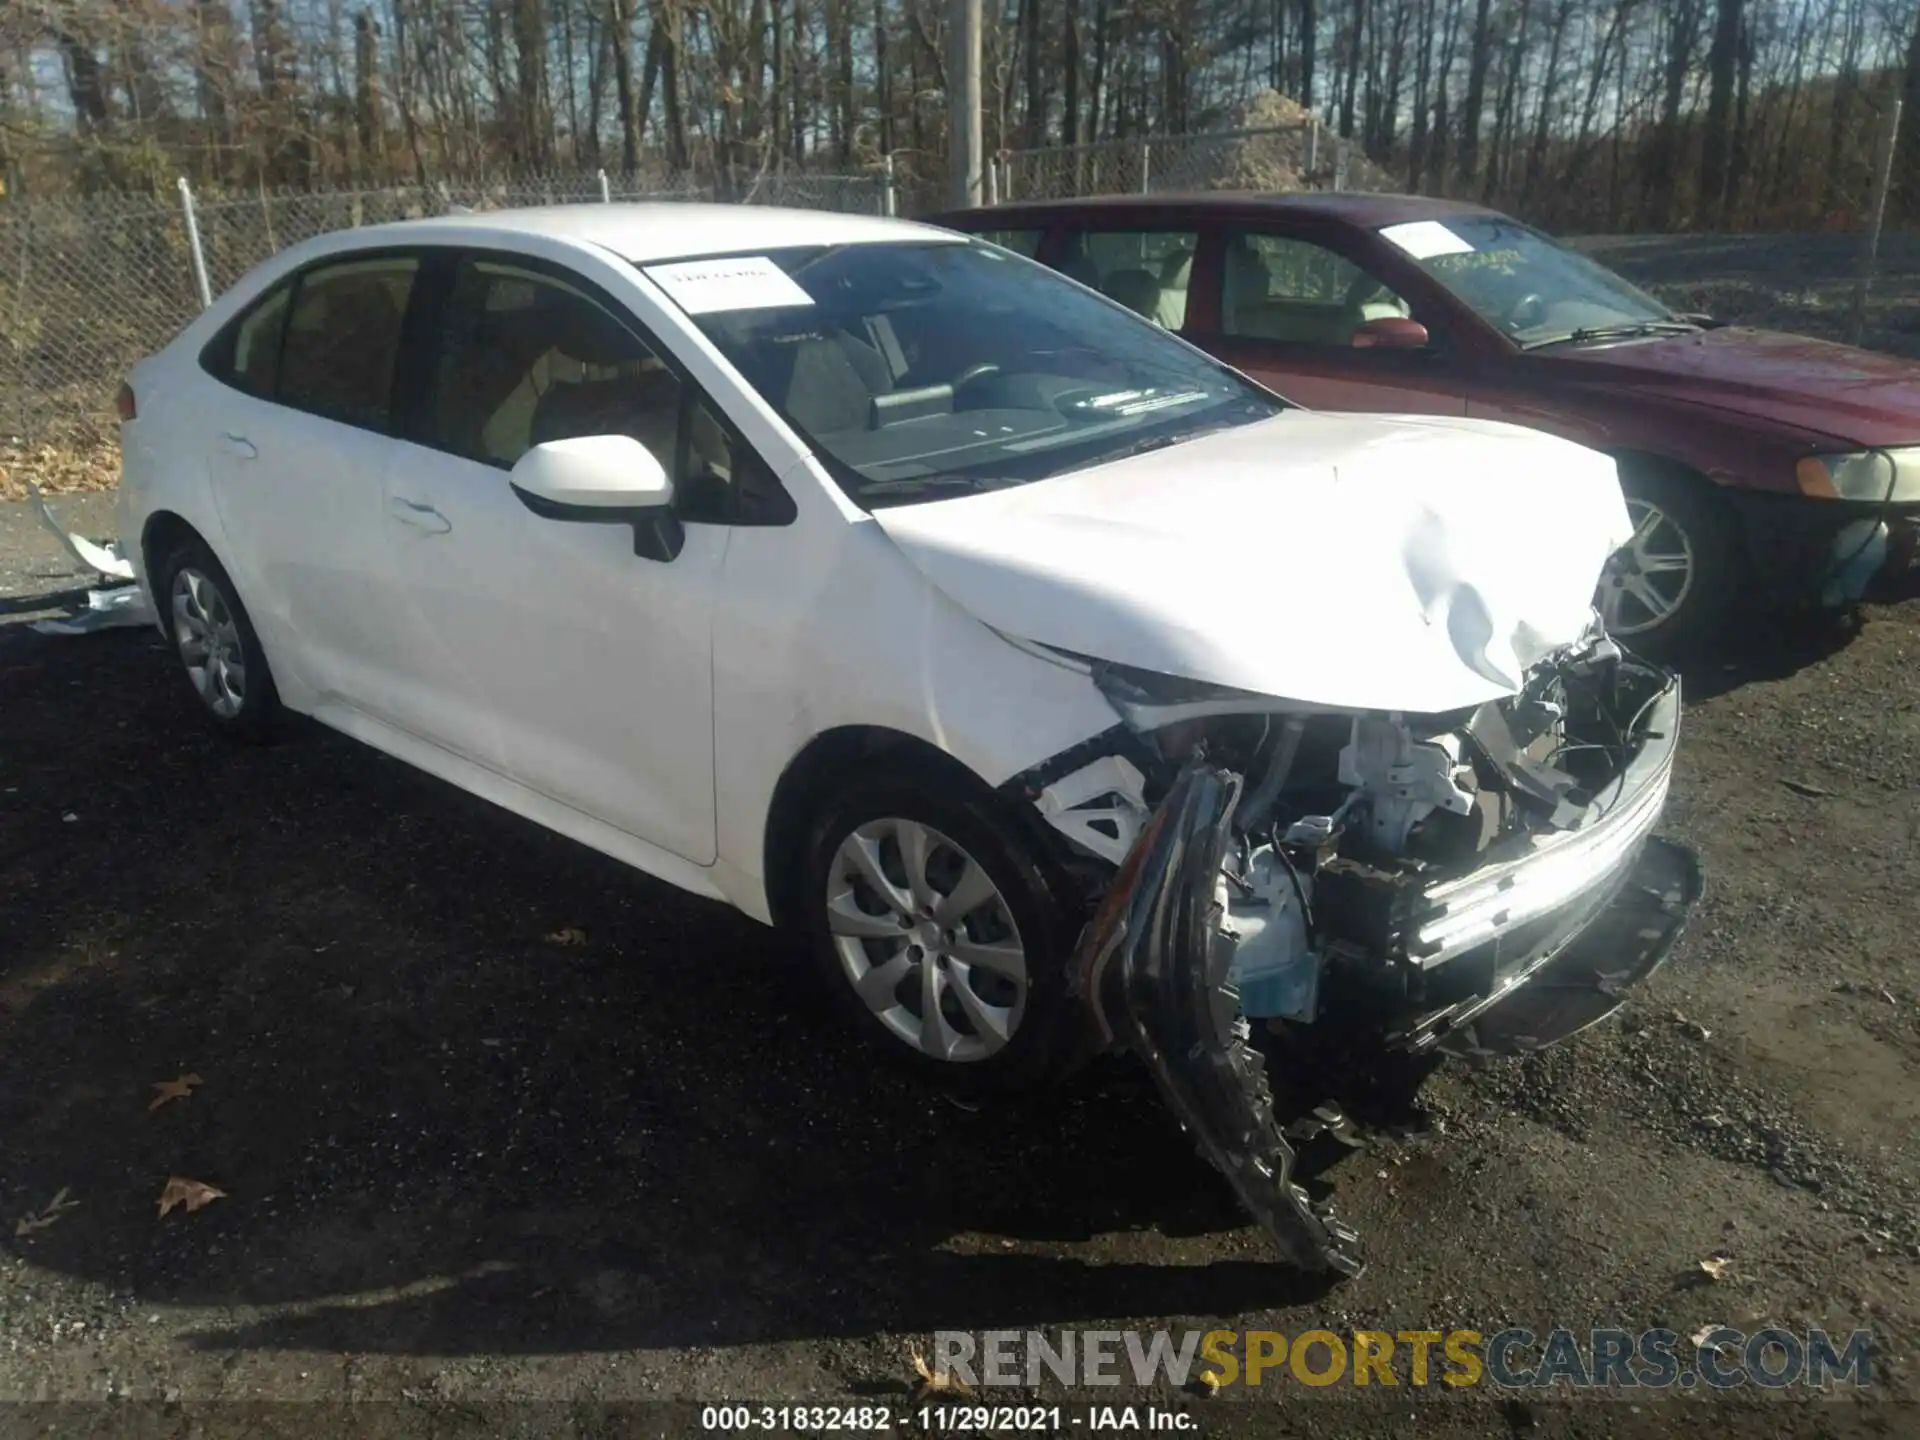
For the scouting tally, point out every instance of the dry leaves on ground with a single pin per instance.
(934, 1382)
(188, 1195)
(177, 1089)
(567, 935)
(56, 1207)
(58, 470)
(1716, 1267)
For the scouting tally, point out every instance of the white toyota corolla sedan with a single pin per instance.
(1065, 689)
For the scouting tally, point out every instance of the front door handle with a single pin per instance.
(420, 517)
(237, 445)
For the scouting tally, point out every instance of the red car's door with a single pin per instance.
(1288, 309)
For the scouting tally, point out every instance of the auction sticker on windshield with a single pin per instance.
(743, 282)
(1426, 239)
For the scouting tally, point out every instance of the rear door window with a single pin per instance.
(1148, 271)
(343, 339)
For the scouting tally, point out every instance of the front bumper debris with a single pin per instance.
(1154, 967)
(1538, 940)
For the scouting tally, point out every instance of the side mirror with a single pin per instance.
(602, 480)
(1391, 332)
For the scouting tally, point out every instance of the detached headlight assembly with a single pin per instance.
(1878, 476)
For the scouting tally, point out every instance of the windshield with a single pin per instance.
(919, 370)
(1533, 290)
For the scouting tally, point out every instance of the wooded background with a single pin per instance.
(1580, 114)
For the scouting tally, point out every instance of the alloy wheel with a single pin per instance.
(209, 642)
(1650, 577)
(926, 939)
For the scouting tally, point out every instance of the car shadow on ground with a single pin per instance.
(468, 1087)
(36, 604)
(1765, 648)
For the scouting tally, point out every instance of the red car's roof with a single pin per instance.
(1354, 207)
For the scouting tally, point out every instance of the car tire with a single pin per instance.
(1667, 590)
(214, 640)
(919, 879)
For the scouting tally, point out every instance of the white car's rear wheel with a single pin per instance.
(214, 640)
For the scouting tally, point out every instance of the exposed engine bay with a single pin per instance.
(1478, 882)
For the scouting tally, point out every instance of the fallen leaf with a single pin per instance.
(567, 935)
(933, 1382)
(178, 1089)
(1697, 1030)
(1716, 1267)
(190, 1195)
(1812, 792)
(56, 1207)
(1700, 1337)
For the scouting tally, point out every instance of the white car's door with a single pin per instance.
(297, 439)
(548, 650)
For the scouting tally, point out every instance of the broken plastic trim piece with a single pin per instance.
(106, 559)
(1154, 966)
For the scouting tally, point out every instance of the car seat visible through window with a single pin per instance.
(1135, 289)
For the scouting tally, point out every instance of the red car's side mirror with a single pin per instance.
(1391, 332)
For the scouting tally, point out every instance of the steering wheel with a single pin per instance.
(1529, 309)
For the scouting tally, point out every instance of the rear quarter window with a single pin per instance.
(246, 352)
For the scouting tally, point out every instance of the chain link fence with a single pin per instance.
(89, 285)
(1304, 156)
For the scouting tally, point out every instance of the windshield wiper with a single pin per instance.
(906, 484)
(1672, 326)
(1142, 447)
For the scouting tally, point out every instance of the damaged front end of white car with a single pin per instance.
(1363, 883)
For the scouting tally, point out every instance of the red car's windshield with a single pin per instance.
(1531, 289)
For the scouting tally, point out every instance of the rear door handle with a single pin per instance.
(420, 517)
(237, 445)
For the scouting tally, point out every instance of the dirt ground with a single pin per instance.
(468, 1166)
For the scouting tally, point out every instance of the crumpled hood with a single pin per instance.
(1367, 562)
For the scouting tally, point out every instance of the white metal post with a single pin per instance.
(606, 190)
(198, 256)
(1870, 246)
(889, 200)
(1146, 166)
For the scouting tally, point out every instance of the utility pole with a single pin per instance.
(963, 101)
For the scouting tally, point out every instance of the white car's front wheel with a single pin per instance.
(214, 640)
(941, 933)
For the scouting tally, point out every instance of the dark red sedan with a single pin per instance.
(1758, 466)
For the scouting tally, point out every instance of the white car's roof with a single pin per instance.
(663, 230)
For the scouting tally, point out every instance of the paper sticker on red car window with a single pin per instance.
(1425, 239)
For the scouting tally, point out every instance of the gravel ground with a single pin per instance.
(466, 1164)
(1802, 283)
